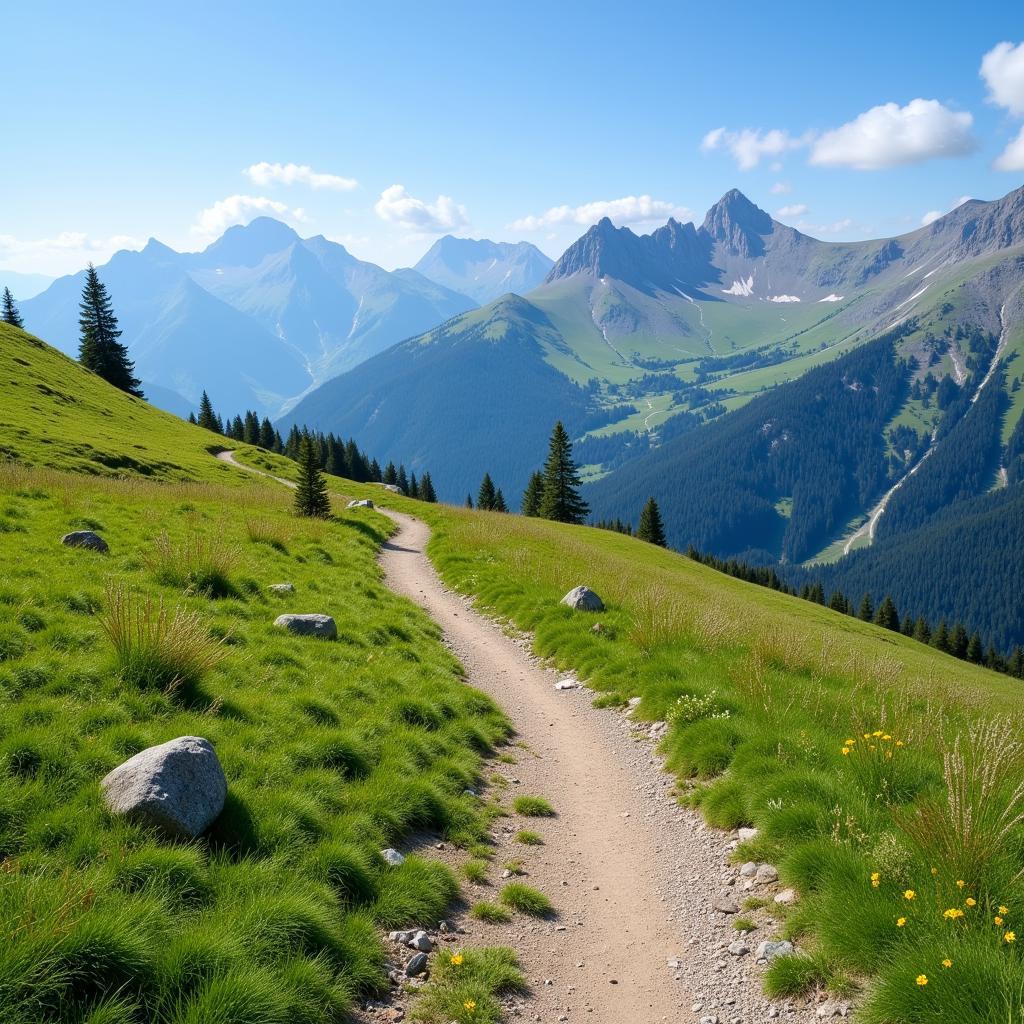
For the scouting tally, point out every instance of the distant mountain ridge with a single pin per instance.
(482, 269)
(257, 318)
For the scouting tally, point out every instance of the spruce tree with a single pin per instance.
(907, 625)
(838, 603)
(390, 474)
(958, 641)
(192, 417)
(402, 481)
(267, 435)
(887, 616)
(1017, 662)
(651, 528)
(533, 494)
(469, 501)
(922, 631)
(237, 429)
(427, 492)
(207, 417)
(9, 314)
(817, 594)
(940, 638)
(485, 496)
(975, 652)
(499, 502)
(866, 612)
(561, 500)
(251, 432)
(311, 497)
(414, 486)
(99, 350)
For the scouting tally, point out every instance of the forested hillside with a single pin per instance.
(780, 476)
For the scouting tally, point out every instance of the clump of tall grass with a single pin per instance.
(464, 987)
(533, 807)
(200, 564)
(269, 532)
(656, 618)
(526, 900)
(155, 646)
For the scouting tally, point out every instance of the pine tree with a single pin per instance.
(192, 417)
(207, 417)
(414, 486)
(922, 631)
(402, 480)
(651, 528)
(1017, 662)
(887, 617)
(267, 435)
(485, 496)
(838, 603)
(390, 474)
(499, 502)
(866, 612)
(251, 432)
(817, 594)
(940, 638)
(311, 497)
(371, 472)
(975, 652)
(958, 641)
(427, 492)
(237, 429)
(469, 501)
(907, 625)
(9, 314)
(533, 494)
(561, 500)
(99, 350)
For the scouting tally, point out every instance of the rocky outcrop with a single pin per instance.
(322, 626)
(85, 539)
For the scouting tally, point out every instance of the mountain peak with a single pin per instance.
(248, 244)
(738, 224)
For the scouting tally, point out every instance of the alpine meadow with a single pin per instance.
(512, 515)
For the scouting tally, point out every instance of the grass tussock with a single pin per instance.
(198, 562)
(526, 900)
(529, 838)
(533, 807)
(156, 646)
(465, 987)
(489, 913)
(264, 530)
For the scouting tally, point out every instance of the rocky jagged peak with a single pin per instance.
(738, 224)
(604, 250)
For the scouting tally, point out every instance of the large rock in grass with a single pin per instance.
(321, 626)
(364, 503)
(178, 786)
(85, 539)
(583, 599)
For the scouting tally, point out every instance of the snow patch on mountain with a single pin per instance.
(745, 287)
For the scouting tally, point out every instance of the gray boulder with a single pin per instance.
(421, 941)
(583, 599)
(725, 904)
(392, 857)
(766, 874)
(85, 539)
(393, 488)
(282, 588)
(768, 950)
(178, 786)
(322, 626)
(416, 966)
(365, 503)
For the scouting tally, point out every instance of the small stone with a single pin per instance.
(282, 588)
(739, 948)
(746, 834)
(786, 897)
(421, 941)
(769, 950)
(725, 904)
(749, 869)
(322, 626)
(85, 539)
(766, 874)
(393, 488)
(392, 857)
(416, 966)
(566, 684)
(583, 599)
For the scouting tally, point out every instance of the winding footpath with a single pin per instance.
(633, 876)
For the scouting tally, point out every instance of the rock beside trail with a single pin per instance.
(282, 588)
(786, 897)
(746, 834)
(768, 950)
(85, 539)
(392, 857)
(322, 626)
(365, 503)
(421, 941)
(178, 786)
(766, 874)
(393, 488)
(725, 904)
(416, 966)
(583, 599)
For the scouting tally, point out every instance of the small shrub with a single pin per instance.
(13, 643)
(475, 871)
(744, 924)
(692, 707)
(153, 646)
(490, 913)
(526, 900)
(515, 866)
(533, 807)
(528, 838)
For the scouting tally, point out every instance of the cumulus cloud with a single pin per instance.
(66, 252)
(627, 210)
(794, 210)
(1002, 68)
(264, 174)
(780, 188)
(1012, 158)
(240, 209)
(893, 136)
(398, 207)
(749, 146)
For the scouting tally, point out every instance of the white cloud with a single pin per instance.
(780, 188)
(1003, 70)
(1012, 158)
(64, 253)
(215, 220)
(749, 146)
(627, 210)
(264, 174)
(398, 207)
(838, 227)
(795, 210)
(892, 136)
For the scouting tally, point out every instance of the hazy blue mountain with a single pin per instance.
(257, 318)
(482, 269)
(23, 286)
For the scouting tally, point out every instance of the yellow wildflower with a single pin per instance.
(876, 878)
(999, 920)
(935, 871)
(953, 913)
(922, 980)
(971, 901)
(850, 743)
(457, 959)
(846, 751)
(1010, 937)
(867, 735)
(470, 1005)
(900, 922)
(1003, 910)
(909, 894)
(900, 743)
(960, 883)
(947, 962)
(887, 737)
(877, 733)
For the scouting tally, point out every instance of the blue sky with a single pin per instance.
(405, 120)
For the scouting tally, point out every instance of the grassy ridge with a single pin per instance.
(764, 694)
(331, 750)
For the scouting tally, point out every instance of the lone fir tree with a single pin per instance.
(98, 349)
(485, 496)
(311, 497)
(533, 494)
(651, 528)
(561, 500)
(9, 313)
